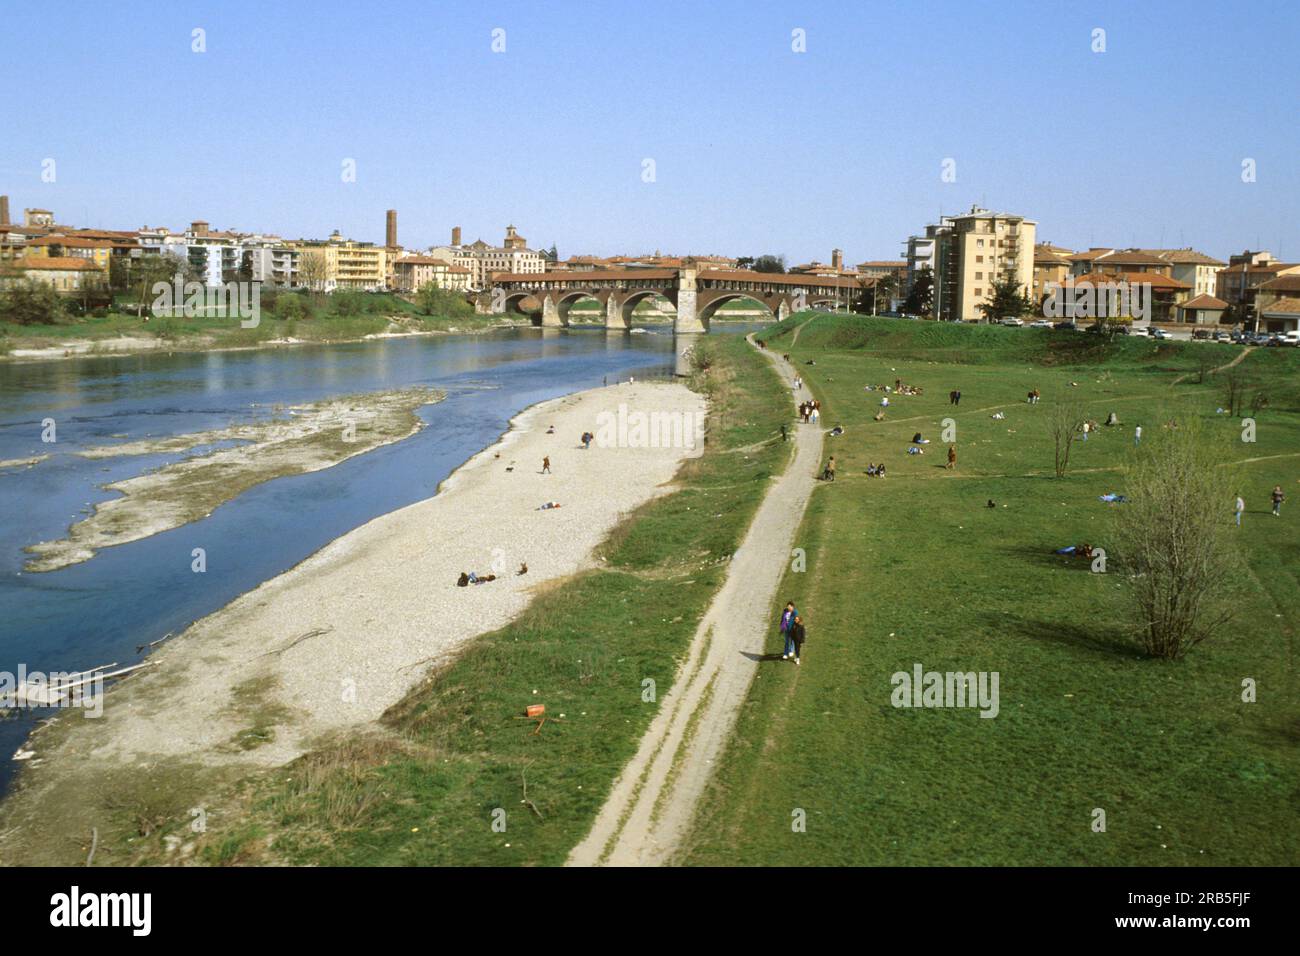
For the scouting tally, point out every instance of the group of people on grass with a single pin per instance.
(1276, 497)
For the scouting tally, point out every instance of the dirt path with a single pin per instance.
(653, 801)
(1237, 361)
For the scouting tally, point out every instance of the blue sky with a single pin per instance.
(756, 148)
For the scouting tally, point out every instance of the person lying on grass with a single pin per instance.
(1076, 551)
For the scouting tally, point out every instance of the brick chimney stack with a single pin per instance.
(837, 258)
(455, 235)
(4, 210)
(391, 231)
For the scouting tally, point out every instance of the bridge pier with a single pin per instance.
(615, 320)
(688, 318)
(551, 318)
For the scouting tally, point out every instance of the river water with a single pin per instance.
(104, 609)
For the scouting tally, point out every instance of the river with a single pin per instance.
(105, 609)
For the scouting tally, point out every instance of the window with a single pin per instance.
(979, 291)
(979, 275)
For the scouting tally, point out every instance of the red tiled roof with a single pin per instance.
(1089, 255)
(1282, 307)
(57, 264)
(1204, 301)
(1130, 257)
(1289, 283)
(1183, 257)
(1159, 283)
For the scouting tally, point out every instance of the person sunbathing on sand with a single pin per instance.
(549, 505)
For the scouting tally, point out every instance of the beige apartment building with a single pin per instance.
(412, 273)
(1051, 268)
(1240, 280)
(358, 266)
(67, 275)
(1198, 270)
(978, 249)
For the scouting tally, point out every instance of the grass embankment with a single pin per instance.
(423, 787)
(289, 316)
(916, 568)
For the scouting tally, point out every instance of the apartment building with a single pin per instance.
(1194, 268)
(336, 263)
(67, 275)
(1051, 268)
(980, 248)
(412, 273)
(1277, 303)
(922, 253)
(483, 260)
(1115, 261)
(1240, 280)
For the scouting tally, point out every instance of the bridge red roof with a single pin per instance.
(584, 278)
(781, 278)
(715, 275)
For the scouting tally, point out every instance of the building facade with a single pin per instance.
(412, 273)
(979, 249)
(482, 261)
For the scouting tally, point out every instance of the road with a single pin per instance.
(652, 804)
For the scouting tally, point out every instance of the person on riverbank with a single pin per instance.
(952, 456)
(1239, 509)
(798, 634)
(546, 465)
(783, 438)
(787, 622)
(829, 473)
(1137, 435)
(1278, 498)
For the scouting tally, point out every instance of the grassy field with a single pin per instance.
(915, 568)
(423, 788)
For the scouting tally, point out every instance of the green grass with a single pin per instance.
(423, 788)
(915, 568)
(384, 313)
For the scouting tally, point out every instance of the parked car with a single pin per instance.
(1200, 334)
(1157, 333)
(1011, 320)
(1291, 338)
(1220, 336)
(1066, 324)
(1040, 324)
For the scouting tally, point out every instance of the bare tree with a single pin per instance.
(1235, 386)
(1176, 541)
(313, 270)
(1064, 422)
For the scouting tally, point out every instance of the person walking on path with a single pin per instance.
(1137, 435)
(1241, 507)
(797, 637)
(952, 456)
(1278, 498)
(783, 438)
(546, 465)
(787, 622)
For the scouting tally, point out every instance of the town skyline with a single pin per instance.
(431, 117)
